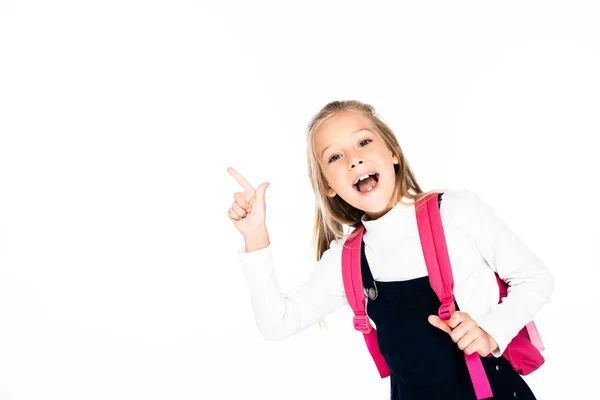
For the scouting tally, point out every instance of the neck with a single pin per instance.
(371, 216)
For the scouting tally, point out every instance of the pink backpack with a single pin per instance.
(523, 352)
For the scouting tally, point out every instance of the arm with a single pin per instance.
(531, 284)
(279, 315)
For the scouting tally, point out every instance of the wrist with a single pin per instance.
(257, 241)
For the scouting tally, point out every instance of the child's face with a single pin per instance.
(348, 146)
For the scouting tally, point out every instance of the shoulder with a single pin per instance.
(332, 257)
(336, 248)
(465, 205)
(459, 199)
(327, 273)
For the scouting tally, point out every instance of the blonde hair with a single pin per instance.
(332, 213)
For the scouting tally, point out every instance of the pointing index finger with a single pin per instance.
(240, 179)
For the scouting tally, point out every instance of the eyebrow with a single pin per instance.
(352, 133)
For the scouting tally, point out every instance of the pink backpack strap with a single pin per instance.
(351, 274)
(433, 242)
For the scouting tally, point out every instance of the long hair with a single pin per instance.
(333, 213)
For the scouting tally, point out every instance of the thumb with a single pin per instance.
(260, 191)
(438, 323)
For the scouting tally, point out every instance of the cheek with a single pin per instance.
(335, 179)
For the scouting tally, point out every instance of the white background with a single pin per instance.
(119, 276)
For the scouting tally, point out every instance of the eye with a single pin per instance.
(362, 141)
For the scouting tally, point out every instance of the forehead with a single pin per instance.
(340, 126)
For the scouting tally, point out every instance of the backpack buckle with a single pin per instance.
(362, 324)
(446, 310)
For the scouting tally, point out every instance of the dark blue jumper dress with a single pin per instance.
(424, 362)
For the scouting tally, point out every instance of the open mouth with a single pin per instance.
(367, 183)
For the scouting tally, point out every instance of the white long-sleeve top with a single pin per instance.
(479, 244)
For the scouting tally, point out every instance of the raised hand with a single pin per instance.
(465, 332)
(248, 211)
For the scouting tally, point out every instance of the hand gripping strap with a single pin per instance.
(351, 274)
(433, 242)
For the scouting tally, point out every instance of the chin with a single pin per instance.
(376, 205)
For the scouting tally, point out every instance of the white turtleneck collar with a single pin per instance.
(392, 221)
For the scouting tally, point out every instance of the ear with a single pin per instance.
(331, 193)
(395, 160)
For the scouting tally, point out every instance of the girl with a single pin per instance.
(360, 175)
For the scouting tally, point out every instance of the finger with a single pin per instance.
(467, 339)
(260, 191)
(476, 346)
(239, 210)
(240, 179)
(233, 215)
(462, 329)
(250, 195)
(242, 200)
(438, 323)
(238, 215)
(457, 318)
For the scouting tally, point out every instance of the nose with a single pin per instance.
(354, 162)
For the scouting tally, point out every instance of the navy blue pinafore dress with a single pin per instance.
(424, 362)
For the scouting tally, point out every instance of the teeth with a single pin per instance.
(362, 178)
